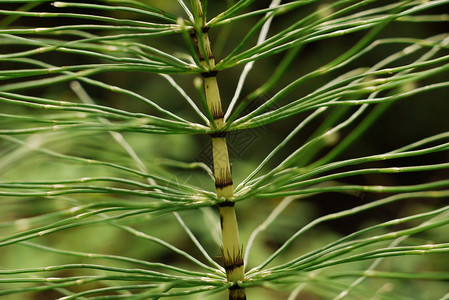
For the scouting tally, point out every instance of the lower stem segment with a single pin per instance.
(232, 248)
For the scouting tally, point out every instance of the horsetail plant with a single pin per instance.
(107, 185)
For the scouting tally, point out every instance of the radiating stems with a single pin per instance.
(232, 248)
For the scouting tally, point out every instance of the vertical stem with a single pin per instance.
(232, 248)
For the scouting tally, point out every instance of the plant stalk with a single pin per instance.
(232, 248)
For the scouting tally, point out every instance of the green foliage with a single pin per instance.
(336, 111)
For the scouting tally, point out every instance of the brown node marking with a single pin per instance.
(223, 179)
(230, 268)
(217, 114)
(210, 73)
(235, 286)
(234, 261)
(210, 57)
(237, 294)
(219, 134)
(205, 29)
(216, 111)
(226, 204)
(221, 183)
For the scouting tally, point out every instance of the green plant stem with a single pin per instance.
(232, 249)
